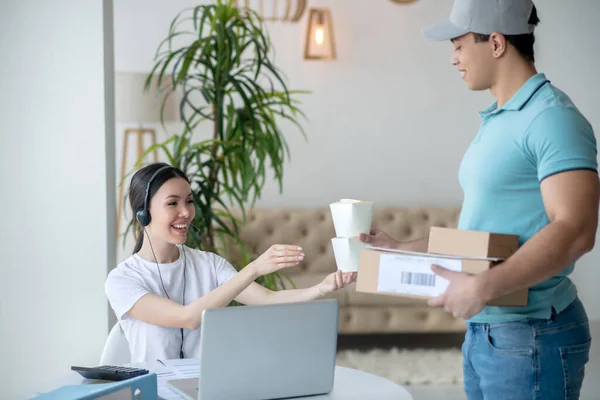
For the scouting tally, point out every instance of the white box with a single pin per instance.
(347, 252)
(351, 217)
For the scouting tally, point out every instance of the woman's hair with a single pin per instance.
(137, 191)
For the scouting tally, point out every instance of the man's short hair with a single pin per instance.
(523, 43)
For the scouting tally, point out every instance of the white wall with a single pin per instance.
(390, 118)
(57, 163)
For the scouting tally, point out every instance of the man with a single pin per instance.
(531, 170)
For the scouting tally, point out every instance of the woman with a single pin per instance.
(159, 292)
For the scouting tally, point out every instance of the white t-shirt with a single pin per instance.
(135, 277)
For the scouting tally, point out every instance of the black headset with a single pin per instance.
(143, 217)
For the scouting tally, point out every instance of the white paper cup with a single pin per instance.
(351, 217)
(346, 252)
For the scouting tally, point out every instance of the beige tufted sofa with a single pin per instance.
(360, 313)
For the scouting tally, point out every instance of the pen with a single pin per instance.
(161, 362)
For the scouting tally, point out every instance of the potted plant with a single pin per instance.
(226, 77)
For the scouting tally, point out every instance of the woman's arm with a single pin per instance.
(256, 294)
(157, 310)
(161, 311)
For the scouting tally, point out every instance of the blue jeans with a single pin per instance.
(530, 359)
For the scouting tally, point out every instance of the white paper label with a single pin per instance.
(412, 274)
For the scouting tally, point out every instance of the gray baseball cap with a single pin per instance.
(508, 17)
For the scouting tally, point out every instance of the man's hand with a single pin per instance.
(464, 296)
(378, 238)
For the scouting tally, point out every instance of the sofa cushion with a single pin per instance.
(370, 320)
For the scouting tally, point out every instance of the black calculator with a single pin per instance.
(109, 372)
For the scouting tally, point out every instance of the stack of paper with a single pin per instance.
(174, 375)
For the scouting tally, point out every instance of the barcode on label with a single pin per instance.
(419, 279)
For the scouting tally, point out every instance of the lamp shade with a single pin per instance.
(275, 10)
(320, 41)
(134, 104)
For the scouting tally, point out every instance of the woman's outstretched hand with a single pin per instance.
(336, 281)
(277, 257)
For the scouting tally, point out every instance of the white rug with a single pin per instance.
(408, 367)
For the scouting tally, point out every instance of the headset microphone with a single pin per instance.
(198, 230)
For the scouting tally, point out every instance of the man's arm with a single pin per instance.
(379, 238)
(571, 200)
(419, 245)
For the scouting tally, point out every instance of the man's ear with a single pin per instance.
(498, 43)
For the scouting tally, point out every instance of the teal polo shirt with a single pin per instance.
(539, 132)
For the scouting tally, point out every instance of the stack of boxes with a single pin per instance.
(350, 219)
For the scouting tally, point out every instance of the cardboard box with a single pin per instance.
(408, 274)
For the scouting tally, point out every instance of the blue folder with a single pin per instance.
(146, 384)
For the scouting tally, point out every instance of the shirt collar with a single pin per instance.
(520, 98)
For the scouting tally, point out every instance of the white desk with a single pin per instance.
(349, 384)
(353, 384)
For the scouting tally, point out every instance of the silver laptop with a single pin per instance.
(266, 352)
